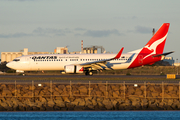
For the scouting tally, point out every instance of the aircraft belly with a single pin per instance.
(120, 66)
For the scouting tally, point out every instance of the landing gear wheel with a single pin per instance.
(88, 73)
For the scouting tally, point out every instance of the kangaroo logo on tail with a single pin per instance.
(154, 45)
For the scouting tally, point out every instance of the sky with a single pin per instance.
(43, 25)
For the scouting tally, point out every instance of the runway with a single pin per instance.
(76, 78)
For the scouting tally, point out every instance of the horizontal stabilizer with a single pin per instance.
(164, 54)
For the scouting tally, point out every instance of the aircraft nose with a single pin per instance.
(9, 65)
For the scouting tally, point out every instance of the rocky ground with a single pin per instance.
(62, 97)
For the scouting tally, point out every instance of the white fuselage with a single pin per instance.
(58, 61)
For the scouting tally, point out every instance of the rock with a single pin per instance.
(108, 104)
(114, 102)
(42, 108)
(87, 98)
(39, 104)
(51, 103)
(44, 100)
(79, 108)
(4, 105)
(167, 95)
(2, 108)
(90, 107)
(136, 103)
(101, 106)
(70, 106)
(81, 102)
(158, 88)
(130, 90)
(102, 88)
(151, 88)
(116, 94)
(55, 93)
(35, 108)
(142, 87)
(178, 106)
(144, 102)
(66, 99)
(115, 87)
(75, 92)
(75, 103)
(58, 98)
(98, 93)
(21, 108)
(99, 99)
(88, 102)
(170, 88)
(10, 103)
(59, 103)
(153, 107)
(48, 108)
(138, 92)
(127, 102)
(170, 102)
(6, 92)
(94, 102)
(134, 97)
(67, 87)
(56, 108)
(61, 87)
(155, 94)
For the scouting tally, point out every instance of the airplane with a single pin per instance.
(87, 63)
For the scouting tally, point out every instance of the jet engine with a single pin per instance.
(73, 69)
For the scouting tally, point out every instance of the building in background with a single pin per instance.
(9, 56)
(170, 60)
(61, 50)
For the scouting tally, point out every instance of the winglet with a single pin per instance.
(119, 54)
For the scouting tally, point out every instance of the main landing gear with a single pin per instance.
(89, 73)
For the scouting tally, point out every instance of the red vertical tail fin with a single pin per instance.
(157, 42)
(154, 47)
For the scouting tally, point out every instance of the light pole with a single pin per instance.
(177, 66)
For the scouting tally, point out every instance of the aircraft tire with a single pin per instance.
(88, 73)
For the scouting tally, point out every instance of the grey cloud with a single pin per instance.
(21, 0)
(134, 17)
(78, 34)
(143, 30)
(51, 31)
(39, 32)
(16, 35)
(79, 29)
(127, 18)
(101, 33)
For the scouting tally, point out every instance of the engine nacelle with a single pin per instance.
(73, 69)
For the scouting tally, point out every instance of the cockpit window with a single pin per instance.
(16, 60)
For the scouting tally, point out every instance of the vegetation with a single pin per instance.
(3, 67)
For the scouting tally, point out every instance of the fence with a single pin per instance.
(107, 90)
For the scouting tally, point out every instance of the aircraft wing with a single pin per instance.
(101, 63)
